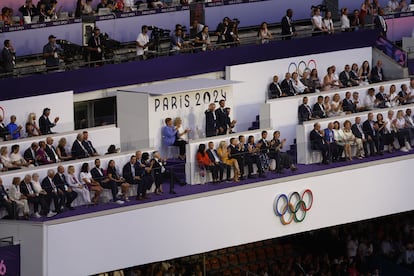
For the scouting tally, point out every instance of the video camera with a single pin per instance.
(157, 33)
(70, 50)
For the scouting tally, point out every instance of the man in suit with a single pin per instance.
(99, 176)
(377, 73)
(405, 96)
(53, 191)
(237, 152)
(215, 159)
(61, 183)
(161, 173)
(359, 134)
(287, 85)
(288, 26)
(252, 157)
(211, 129)
(346, 79)
(318, 110)
(318, 142)
(30, 154)
(133, 174)
(381, 98)
(304, 111)
(78, 150)
(87, 144)
(380, 23)
(7, 203)
(37, 200)
(4, 132)
(45, 125)
(335, 149)
(8, 57)
(369, 132)
(275, 91)
(347, 105)
(51, 151)
(221, 118)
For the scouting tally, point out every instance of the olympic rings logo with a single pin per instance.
(295, 204)
(302, 67)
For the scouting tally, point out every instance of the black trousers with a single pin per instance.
(111, 185)
(58, 200)
(42, 200)
(181, 144)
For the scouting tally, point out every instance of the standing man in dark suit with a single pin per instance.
(211, 128)
(133, 174)
(369, 132)
(30, 154)
(304, 111)
(61, 183)
(288, 26)
(8, 57)
(380, 23)
(53, 191)
(45, 124)
(377, 73)
(318, 143)
(275, 91)
(215, 159)
(221, 118)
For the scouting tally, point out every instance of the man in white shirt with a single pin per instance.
(142, 43)
(370, 100)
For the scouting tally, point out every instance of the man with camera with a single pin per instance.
(51, 53)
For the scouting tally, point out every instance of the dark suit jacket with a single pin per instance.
(47, 185)
(127, 173)
(50, 153)
(210, 124)
(316, 139)
(96, 175)
(344, 79)
(221, 119)
(275, 91)
(287, 87)
(77, 151)
(318, 111)
(378, 25)
(23, 188)
(60, 182)
(7, 60)
(367, 129)
(26, 11)
(211, 156)
(3, 194)
(304, 114)
(45, 125)
(348, 106)
(286, 26)
(375, 74)
(28, 156)
(4, 132)
(356, 131)
(89, 147)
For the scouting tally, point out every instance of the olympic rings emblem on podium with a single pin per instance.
(295, 206)
(302, 66)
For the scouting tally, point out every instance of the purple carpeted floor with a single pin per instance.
(196, 189)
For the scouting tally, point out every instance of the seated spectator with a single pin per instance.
(19, 198)
(13, 128)
(307, 81)
(202, 40)
(177, 42)
(154, 4)
(4, 132)
(35, 195)
(7, 16)
(355, 22)
(205, 164)
(236, 151)
(318, 110)
(347, 105)
(371, 135)
(62, 184)
(275, 91)
(169, 137)
(30, 154)
(402, 131)
(283, 160)
(347, 138)
(87, 144)
(336, 106)
(112, 149)
(410, 121)
(364, 72)
(224, 154)
(215, 159)
(113, 176)
(359, 106)
(211, 127)
(264, 35)
(6, 161)
(328, 23)
(411, 86)
(16, 158)
(264, 145)
(361, 140)
(393, 96)
(224, 32)
(287, 86)
(304, 111)
(28, 10)
(377, 73)
(253, 155)
(80, 188)
(45, 125)
(54, 192)
(388, 129)
(345, 23)
(61, 150)
(370, 100)
(86, 179)
(31, 127)
(335, 138)
(331, 80)
(78, 149)
(316, 82)
(161, 173)
(41, 155)
(51, 150)
(382, 98)
(318, 142)
(6, 202)
(393, 6)
(327, 105)
(87, 8)
(346, 79)
(101, 177)
(134, 174)
(354, 73)
(404, 97)
(299, 87)
(128, 5)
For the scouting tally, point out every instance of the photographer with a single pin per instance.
(51, 53)
(95, 47)
(142, 43)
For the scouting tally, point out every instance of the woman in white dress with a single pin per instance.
(393, 96)
(327, 105)
(19, 198)
(345, 24)
(77, 186)
(86, 178)
(336, 106)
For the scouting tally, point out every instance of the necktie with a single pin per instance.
(29, 188)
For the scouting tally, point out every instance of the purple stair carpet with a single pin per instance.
(196, 189)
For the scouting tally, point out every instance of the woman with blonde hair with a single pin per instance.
(181, 135)
(224, 153)
(61, 150)
(77, 186)
(31, 128)
(19, 198)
